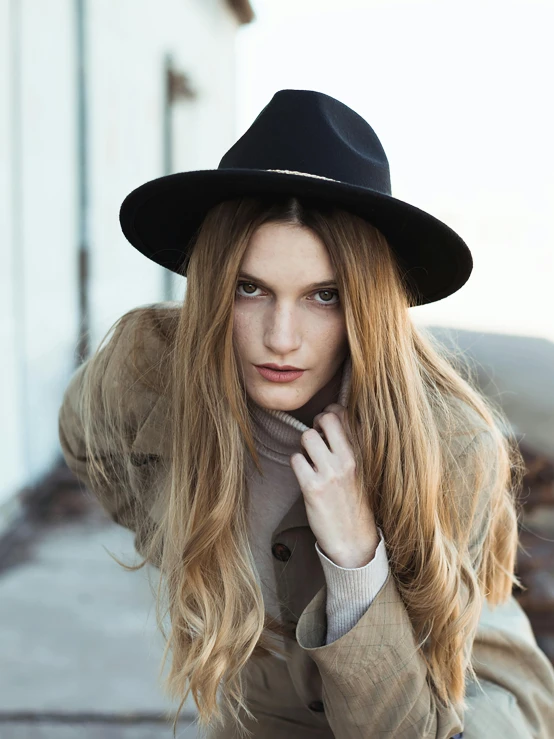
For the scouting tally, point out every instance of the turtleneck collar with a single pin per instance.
(278, 433)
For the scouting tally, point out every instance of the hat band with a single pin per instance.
(305, 174)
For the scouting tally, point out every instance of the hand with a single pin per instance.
(347, 533)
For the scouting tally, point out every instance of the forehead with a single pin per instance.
(277, 243)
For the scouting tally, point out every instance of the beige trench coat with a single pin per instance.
(369, 683)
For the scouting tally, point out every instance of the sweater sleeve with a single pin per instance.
(350, 591)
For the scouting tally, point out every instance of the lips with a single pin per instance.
(284, 368)
(279, 375)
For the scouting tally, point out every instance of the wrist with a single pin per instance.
(355, 559)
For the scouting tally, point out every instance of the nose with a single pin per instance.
(282, 335)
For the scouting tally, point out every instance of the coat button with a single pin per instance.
(316, 706)
(281, 552)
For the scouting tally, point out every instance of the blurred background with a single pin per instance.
(96, 98)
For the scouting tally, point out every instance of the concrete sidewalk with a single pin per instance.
(80, 651)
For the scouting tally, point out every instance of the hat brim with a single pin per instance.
(160, 217)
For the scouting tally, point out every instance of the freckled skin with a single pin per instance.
(285, 322)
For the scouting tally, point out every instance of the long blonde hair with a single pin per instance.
(448, 546)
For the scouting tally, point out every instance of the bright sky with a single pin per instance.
(457, 92)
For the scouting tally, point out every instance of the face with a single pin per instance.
(280, 318)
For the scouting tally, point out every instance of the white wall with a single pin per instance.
(126, 101)
(37, 231)
(10, 391)
(126, 44)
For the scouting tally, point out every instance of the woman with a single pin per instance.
(337, 544)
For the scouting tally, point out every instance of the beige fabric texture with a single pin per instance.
(371, 681)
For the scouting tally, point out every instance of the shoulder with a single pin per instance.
(475, 457)
(139, 346)
(472, 455)
(467, 430)
(150, 326)
(122, 381)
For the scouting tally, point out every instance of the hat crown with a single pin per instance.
(311, 132)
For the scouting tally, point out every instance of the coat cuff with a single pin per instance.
(374, 673)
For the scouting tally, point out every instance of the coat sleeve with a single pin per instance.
(120, 494)
(375, 682)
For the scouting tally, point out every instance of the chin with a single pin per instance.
(283, 398)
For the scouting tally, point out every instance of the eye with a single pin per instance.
(240, 284)
(324, 304)
(329, 292)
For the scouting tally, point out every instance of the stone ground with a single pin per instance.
(80, 650)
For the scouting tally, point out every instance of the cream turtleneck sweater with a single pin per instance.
(277, 436)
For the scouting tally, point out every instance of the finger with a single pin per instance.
(317, 449)
(302, 469)
(336, 434)
(338, 411)
(341, 412)
(334, 408)
(341, 416)
(318, 428)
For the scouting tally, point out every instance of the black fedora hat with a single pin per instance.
(308, 144)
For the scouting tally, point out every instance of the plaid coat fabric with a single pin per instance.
(369, 683)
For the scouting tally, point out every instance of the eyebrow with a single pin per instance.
(311, 286)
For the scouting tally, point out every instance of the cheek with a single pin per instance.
(334, 336)
(242, 330)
